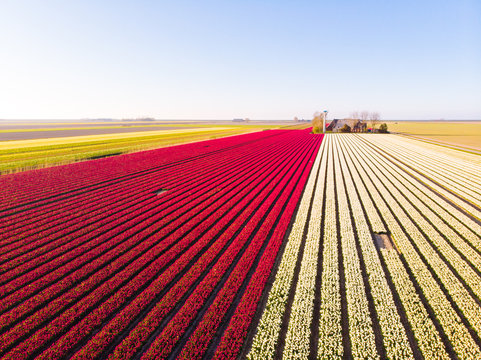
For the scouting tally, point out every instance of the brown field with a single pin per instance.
(56, 133)
(459, 134)
(28, 125)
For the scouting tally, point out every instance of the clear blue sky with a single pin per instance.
(263, 59)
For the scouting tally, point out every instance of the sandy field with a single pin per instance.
(464, 134)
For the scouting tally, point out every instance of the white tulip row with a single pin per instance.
(453, 159)
(330, 328)
(458, 335)
(455, 218)
(452, 165)
(457, 180)
(427, 337)
(265, 340)
(429, 204)
(452, 177)
(423, 328)
(366, 191)
(394, 335)
(429, 175)
(438, 233)
(433, 185)
(299, 328)
(361, 332)
(460, 295)
(443, 151)
(471, 159)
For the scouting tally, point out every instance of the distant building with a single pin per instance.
(336, 124)
(356, 125)
(238, 120)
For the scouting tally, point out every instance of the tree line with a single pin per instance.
(358, 121)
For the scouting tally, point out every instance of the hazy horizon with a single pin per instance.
(206, 120)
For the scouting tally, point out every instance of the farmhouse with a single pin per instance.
(356, 125)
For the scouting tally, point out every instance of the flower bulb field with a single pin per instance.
(278, 244)
(384, 257)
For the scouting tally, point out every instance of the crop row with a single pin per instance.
(60, 250)
(415, 296)
(438, 181)
(22, 189)
(162, 214)
(131, 184)
(174, 256)
(265, 342)
(111, 253)
(451, 245)
(449, 279)
(411, 232)
(422, 327)
(151, 202)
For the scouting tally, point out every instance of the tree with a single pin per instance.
(364, 115)
(317, 122)
(351, 122)
(346, 129)
(383, 128)
(355, 117)
(374, 119)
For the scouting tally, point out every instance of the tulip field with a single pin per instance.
(150, 255)
(341, 292)
(278, 244)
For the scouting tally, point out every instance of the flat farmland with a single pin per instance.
(45, 133)
(25, 145)
(41, 125)
(155, 254)
(465, 134)
(277, 244)
(383, 260)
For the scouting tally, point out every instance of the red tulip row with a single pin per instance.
(45, 236)
(81, 283)
(102, 339)
(59, 303)
(206, 329)
(237, 329)
(152, 168)
(65, 258)
(164, 343)
(31, 217)
(35, 185)
(129, 227)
